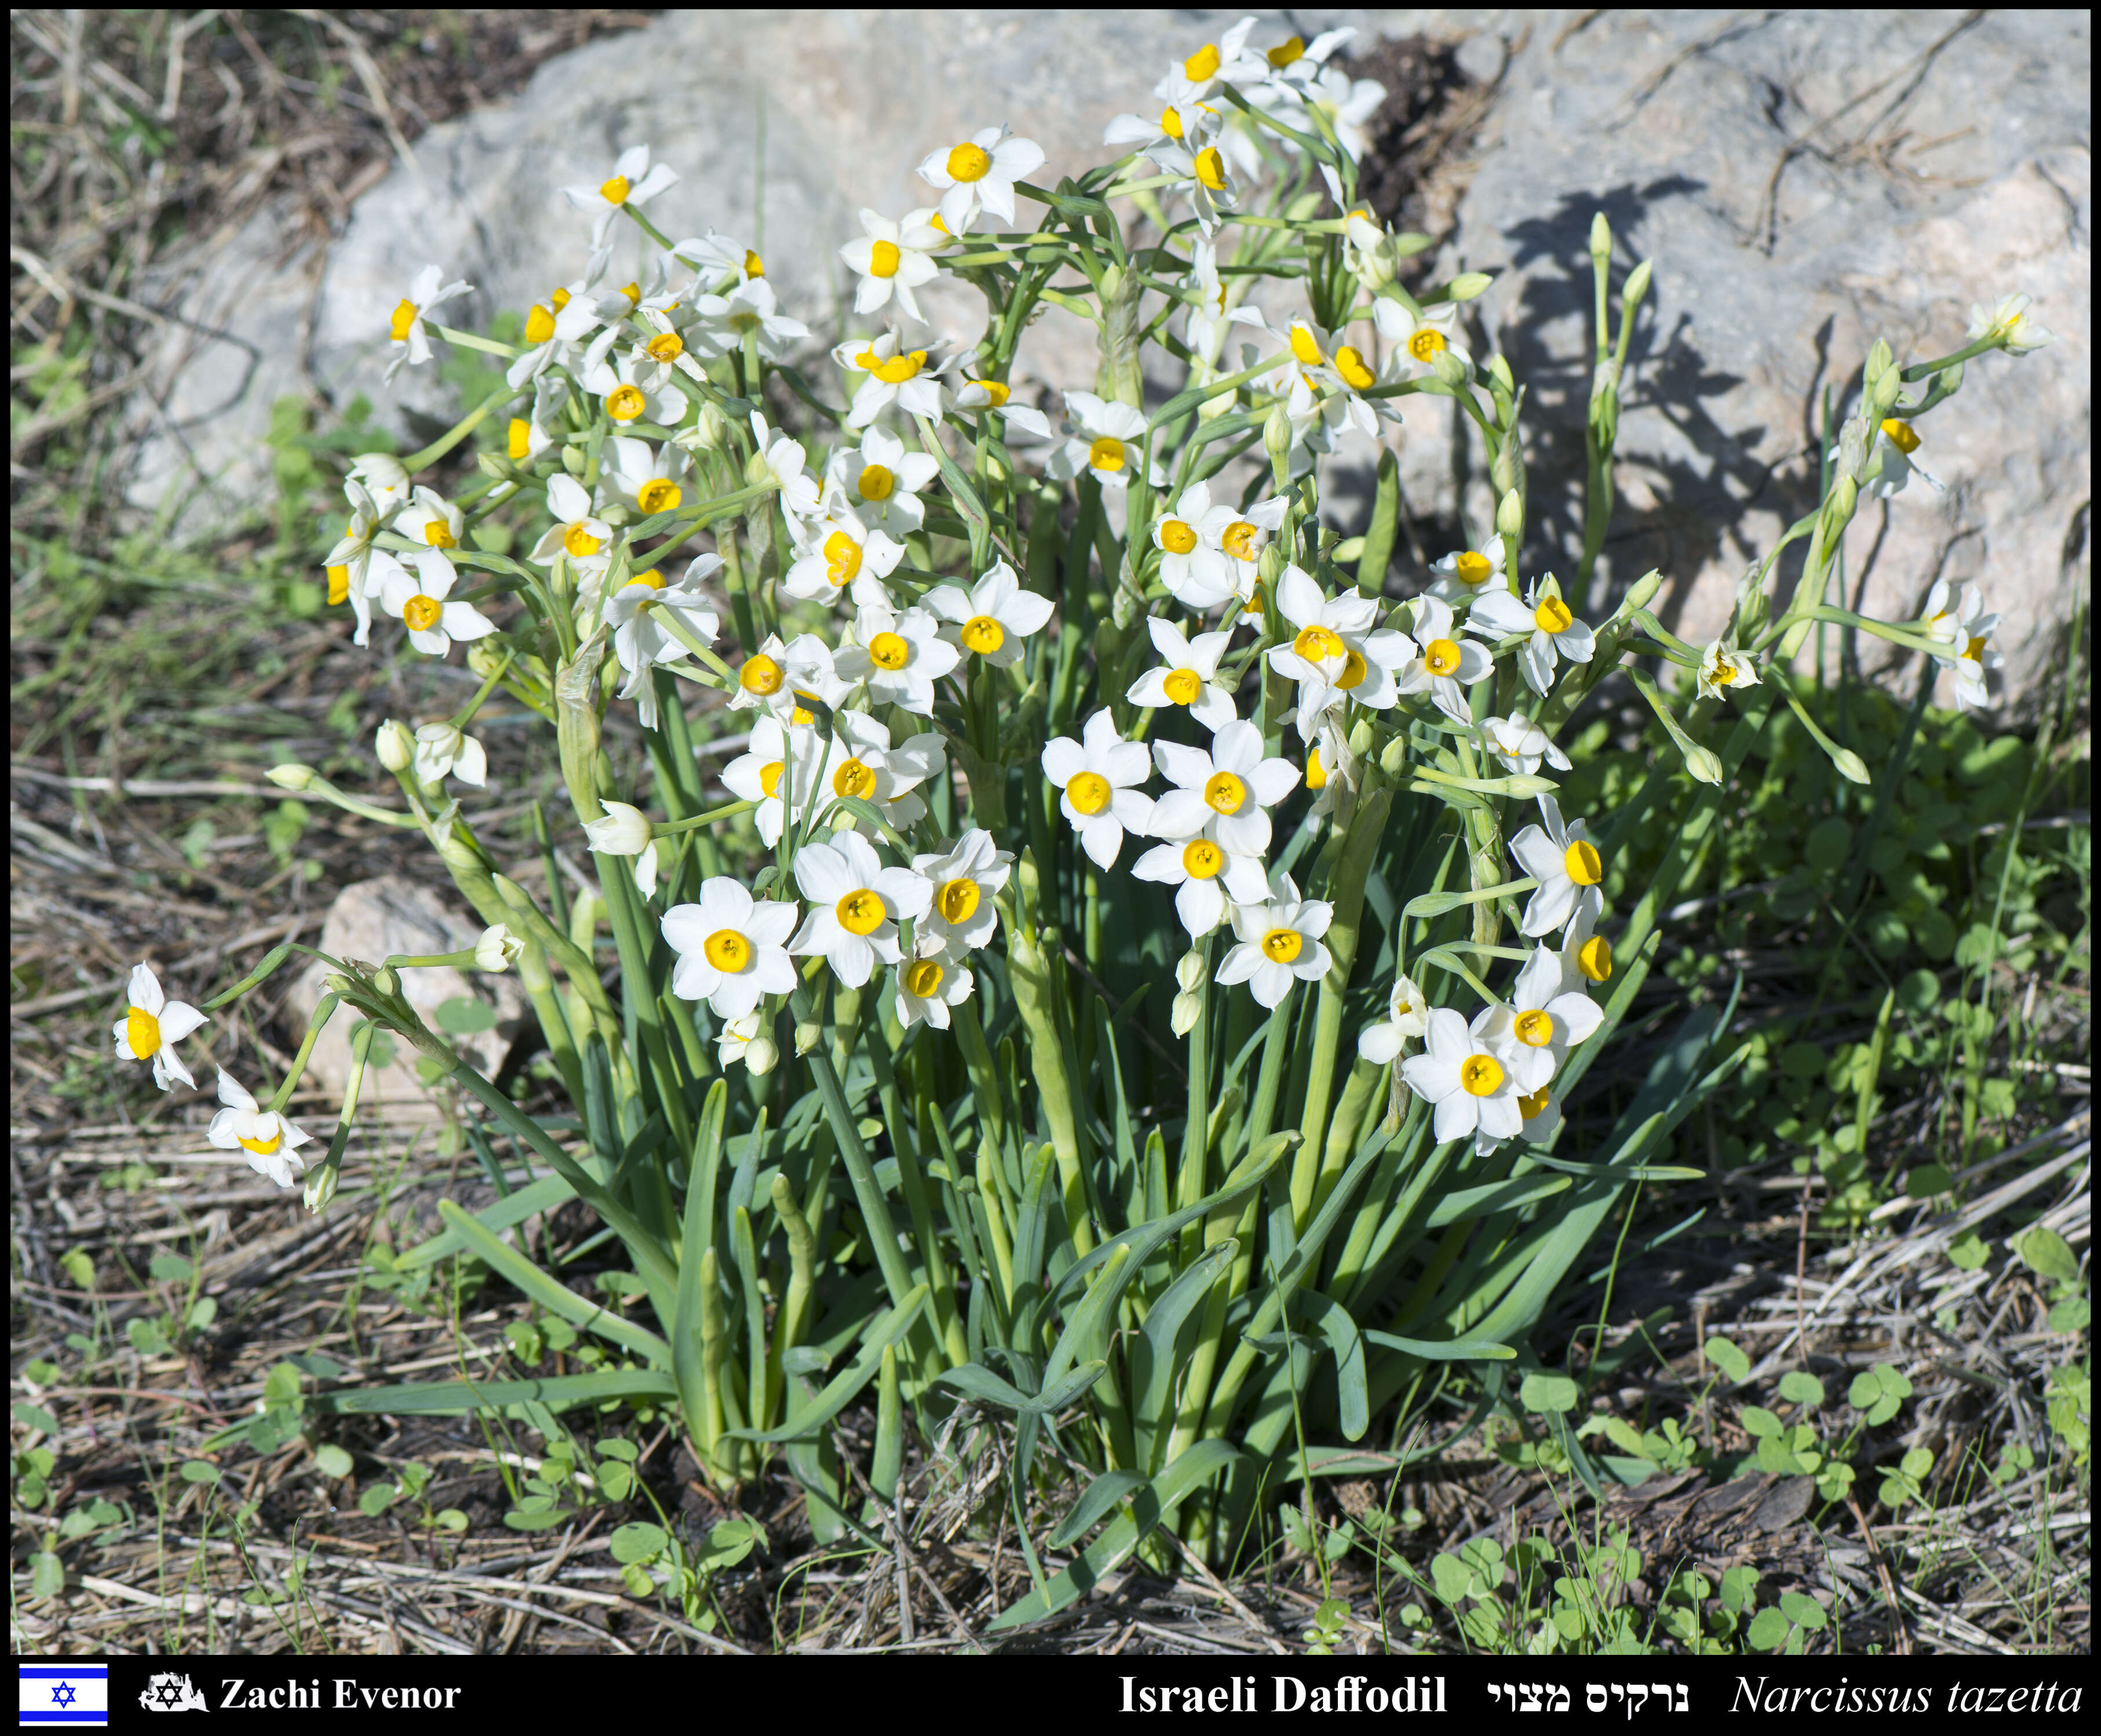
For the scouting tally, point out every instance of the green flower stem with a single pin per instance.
(668, 620)
(727, 810)
(912, 1183)
(860, 1171)
(985, 1076)
(1028, 972)
(328, 792)
(1897, 634)
(469, 422)
(1919, 371)
(322, 1014)
(465, 715)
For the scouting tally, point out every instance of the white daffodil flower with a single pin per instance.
(978, 395)
(405, 330)
(1208, 879)
(854, 906)
(1104, 441)
(498, 949)
(634, 180)
(744, 1038)
(1564, 861)
(776, 676)
(1724, 668)
(994, 618)
(661, 354)
(1190, 81)
(1194, 569)
(1098, 775)
(720, 259)
(1230, 789)
(419, 603)
(731, 948)
(881, 480)
(860, 762)
(268, 1138)
(961, 883)
(1466, 1075)
(1177, 130)
(1407, 1020)
(1552, 629)
(1541, 1115)
(152, 1026)
(1956, 614)
(1892, 462)
(762, 775)
(640, 613)
(649, 478)
(624, 830)
(429, 519)
(1209, 311)
(979, 174)
(1334, 374)
(1203, 174)
(554, 328)
(893, 259)
(393, 745)
(934, 980)
(1466, 574)
(577, 531)
(1586, 957)
(1280, 943)
(1542, 1021)
(443, 751)
(381, 477)
(1439, 663)
(2009, 322)
(348, 564)
(1331, 769)
(620, 391)
(837, 552)
(892, 374)
(784, 459)
(896, 657)
(1521, 745)
(1187, 674)
(1240, 535)
(1340, 649)
(721, 323)
(1421, 337)
(529, 436)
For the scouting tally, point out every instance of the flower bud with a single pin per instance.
(623, 831)
(761, 1055)
(1601, 237)
(1850, 765)
(484, 656)
(1635, 287)
(395, 746)
(1510, 515)
(573, 460)
(495, 465)
(457, 854)
(1450, 368)
(757, 472)
(386, 980)
(1269, 567)
(1393, 756)
(1182, 1015)
(498, 948)
(1466, 285)
(1499, 366)
(1504, 471)
(1703, 763)
(1276, 442)
(808, 1034)
(1853, 448)
(292, 776)
(1642, 592)
(320, 1188)
(1189, 971)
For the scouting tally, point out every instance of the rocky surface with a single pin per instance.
(1805, 181)
(378, 919)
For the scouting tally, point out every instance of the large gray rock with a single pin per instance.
(375, 919)
(1806, 181)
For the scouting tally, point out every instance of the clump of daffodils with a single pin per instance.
(969, 721)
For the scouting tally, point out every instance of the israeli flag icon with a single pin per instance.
(64, 1693)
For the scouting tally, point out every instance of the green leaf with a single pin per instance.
(1725, 1355)
(839, 1391)
(464, 1016)
(1739, 1588)
(199, 1470)
(980, 1383)
(536, 1518)
(2043, 1251)
(46, 1576)
(1759, 1422)
(1341, 1332)
(1155, 1502)
(449, 1519)
(377, 1498)
(638, 1542)
(1798, 1387)
(171, 1268)
(450, 1397)
(1803, 1611)
(333, 1460)
(1769, 1630)
(35, 1416)
(1106, 1492)
(1828, 845)
(2074, 1314)
(557, 1299)
(1968, 1251)
(1546, 1394)
(1926, 1180)
(1445, 1349)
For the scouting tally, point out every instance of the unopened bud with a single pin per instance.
(1525, 786)
(292, 776)
(1504, 470)
(495, 466)
(1269, 567)
(1635, 287)
(1853, 448)
(320, 1188)
(457, 853)
(385, 980)
(1449, 368)
(1393, 756)
(573, 461)
(761, 1054)
(1499, 366)
(1601, 237)
(1850, 765)
(756, 471)
(808, 1036)
(484, 656)
(1276, 442)
(1189, 971)
(1704, 765)
(1182, 1015)
(1642, 592)
(1466, 285)
(1510, 515)
(395, 746)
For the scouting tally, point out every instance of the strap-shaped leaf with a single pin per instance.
(444, 1397)
(1501, 1195)
(1445, 1350)
(841, 1389)
(1341, 1333)
(1151, 1504)
(978, 1382)
(1105, 1493)
(556, 1298)
(687, 1361)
